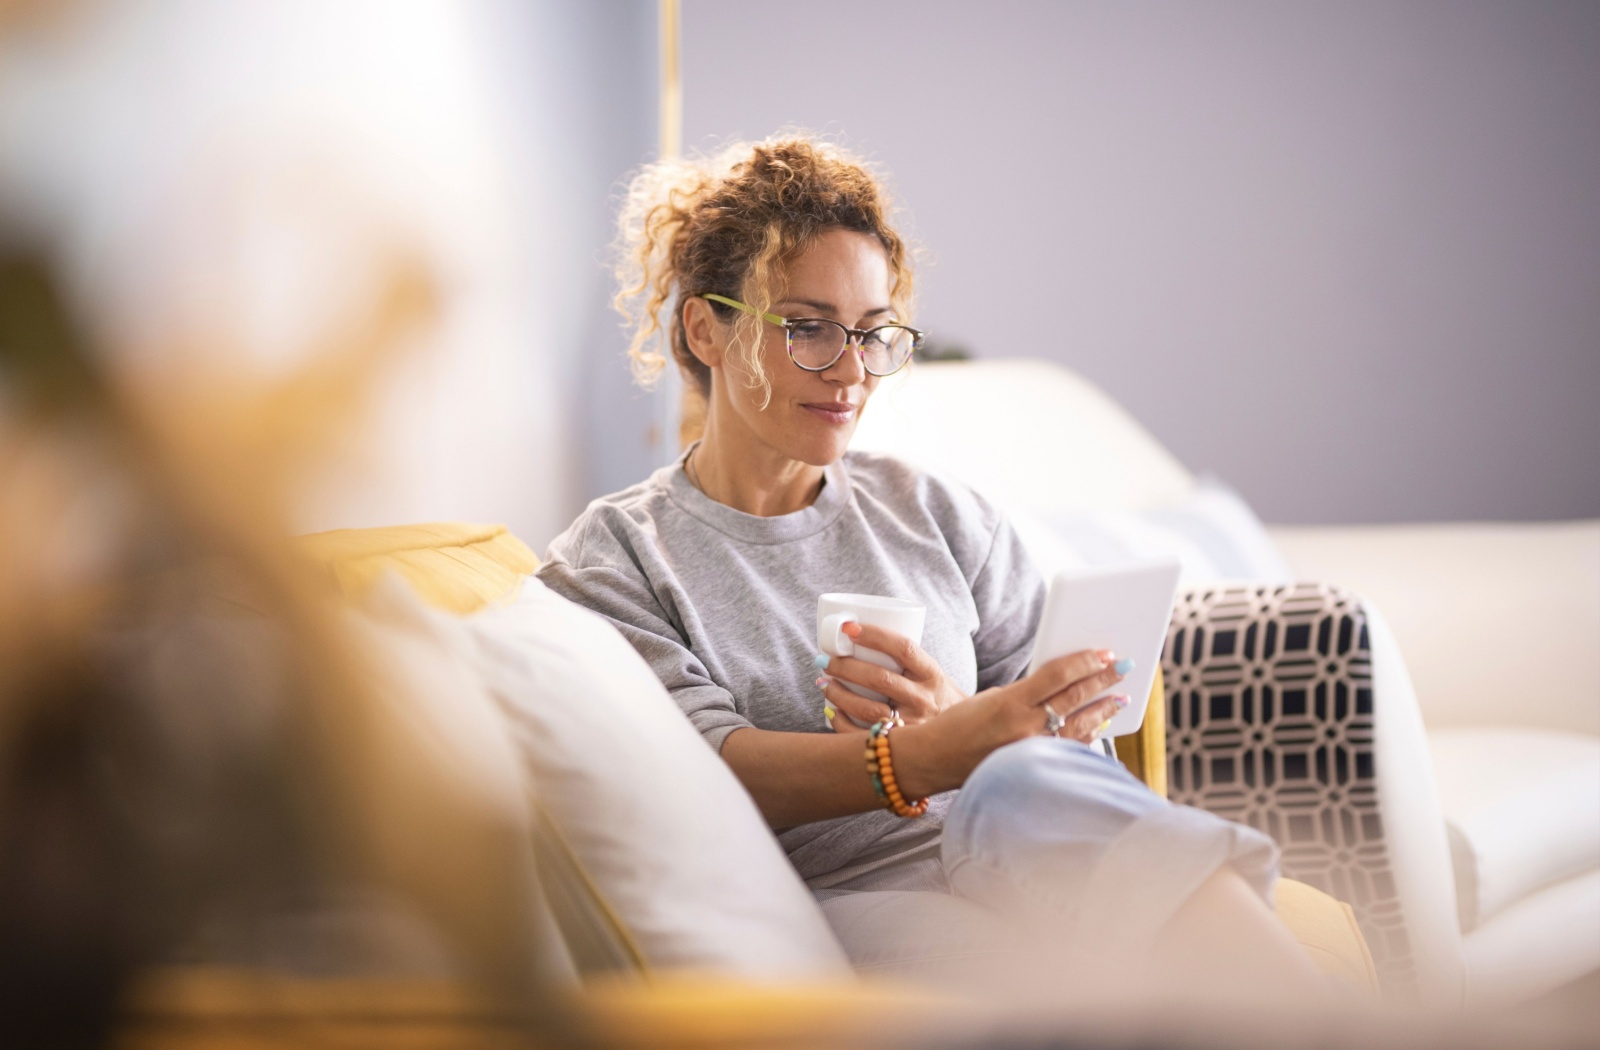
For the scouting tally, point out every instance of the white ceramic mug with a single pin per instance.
(893, 614)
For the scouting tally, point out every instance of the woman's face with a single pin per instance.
(843, 276)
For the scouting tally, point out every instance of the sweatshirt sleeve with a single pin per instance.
(605, 565)
(1009, 594)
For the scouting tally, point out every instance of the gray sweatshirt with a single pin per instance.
(722, 605)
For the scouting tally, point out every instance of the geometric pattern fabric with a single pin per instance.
(1269, 695)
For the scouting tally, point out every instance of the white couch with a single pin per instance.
(1485, 736)
(1500, 627)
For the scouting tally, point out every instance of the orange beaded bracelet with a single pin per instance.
(880, 767)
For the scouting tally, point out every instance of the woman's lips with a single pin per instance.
(836, 412)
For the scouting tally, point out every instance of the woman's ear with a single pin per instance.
(702, 331)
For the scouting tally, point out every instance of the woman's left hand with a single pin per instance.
(919, 692)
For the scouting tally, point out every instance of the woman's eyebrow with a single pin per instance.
(828, 308)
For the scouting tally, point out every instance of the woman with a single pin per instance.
(790, 296)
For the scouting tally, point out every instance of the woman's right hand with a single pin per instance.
(939, 754)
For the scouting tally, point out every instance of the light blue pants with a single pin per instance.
(1055, 837)
(1063, 833)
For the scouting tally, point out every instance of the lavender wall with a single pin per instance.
(1344, 255)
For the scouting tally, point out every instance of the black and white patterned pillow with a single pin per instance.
(1269, 704)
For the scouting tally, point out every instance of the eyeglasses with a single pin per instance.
(816, 343)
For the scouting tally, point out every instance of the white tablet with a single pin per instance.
(1125, 609)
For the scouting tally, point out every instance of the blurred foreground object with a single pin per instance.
(192, 743)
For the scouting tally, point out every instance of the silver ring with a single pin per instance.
(1053, 723)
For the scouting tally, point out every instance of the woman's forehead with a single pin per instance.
(841, 271)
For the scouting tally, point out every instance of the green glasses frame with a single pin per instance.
(858, 336)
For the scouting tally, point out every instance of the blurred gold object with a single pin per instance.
(671, 145)
(157, 629)
(692, 405)
(1145, 752)
(187, 1010)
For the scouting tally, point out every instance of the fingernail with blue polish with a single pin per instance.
(821, 661)
(1124, 665)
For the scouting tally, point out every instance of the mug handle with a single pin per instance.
(834, 641)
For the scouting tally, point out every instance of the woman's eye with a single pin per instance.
(809, 330)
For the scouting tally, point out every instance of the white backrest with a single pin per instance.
(1030, 435)
(1500, 622)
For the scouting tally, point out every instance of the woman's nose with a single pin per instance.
(851, 368)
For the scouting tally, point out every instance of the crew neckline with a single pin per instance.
(752, 528)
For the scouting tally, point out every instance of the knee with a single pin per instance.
(1043, 795)
(1044, 771)
(1024, 765)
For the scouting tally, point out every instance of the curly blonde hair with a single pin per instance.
(726, 224)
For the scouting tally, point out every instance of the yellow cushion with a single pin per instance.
(1326, 928)
(452, 566)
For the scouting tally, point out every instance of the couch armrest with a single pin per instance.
(1277, 719)
(1500, 624)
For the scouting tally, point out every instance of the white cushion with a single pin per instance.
(1082, 481)
(1537, 944)
(659, 822)
(935, 940)
(1212, 532)
(1030, 435)
(1523, 809)
(444, 803)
